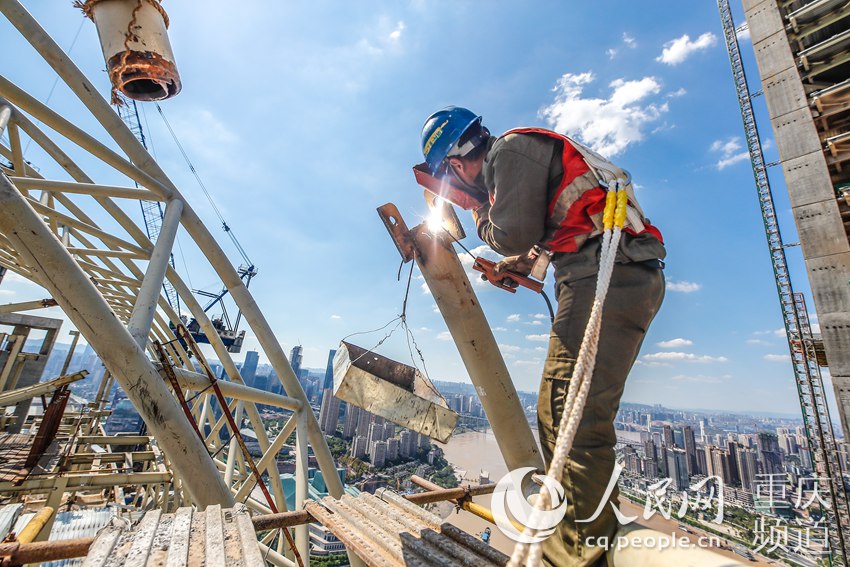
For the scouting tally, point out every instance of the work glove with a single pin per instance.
(521, 264)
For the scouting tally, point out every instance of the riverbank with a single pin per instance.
(474, 451)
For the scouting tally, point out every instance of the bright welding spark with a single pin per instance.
(434, 222)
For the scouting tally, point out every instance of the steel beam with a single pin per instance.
(57, 271)
(145, 306)
(472, 334)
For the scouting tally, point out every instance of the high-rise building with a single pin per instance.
(296, 357)
(690, 445)
(389, 430)
(364, 419)
(249, 368)
(747, 469)
(404, 443)
(769, 457)
(392, 449)
(734, 474)
(378, 454)
(349, 428)
(359, 447)
(376, 433)
(668, 437)
(329, 411)
(678, 468)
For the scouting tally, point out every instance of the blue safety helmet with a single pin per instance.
(443, 130)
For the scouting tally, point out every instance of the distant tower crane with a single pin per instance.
(153, 216)
(801, 342)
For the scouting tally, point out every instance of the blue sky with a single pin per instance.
(302, 118)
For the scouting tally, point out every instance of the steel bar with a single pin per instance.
(194, 381)
(82, 303)
(475, 342)
(5, 115)
(93, 189)
(145, 306)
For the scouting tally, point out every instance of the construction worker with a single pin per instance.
(485, 535)
(545, 201)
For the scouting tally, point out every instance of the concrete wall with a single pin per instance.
(814, 207)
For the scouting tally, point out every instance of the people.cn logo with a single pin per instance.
(511, 507)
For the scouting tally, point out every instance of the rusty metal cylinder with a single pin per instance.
(134, 38)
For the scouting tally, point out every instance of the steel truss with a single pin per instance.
(76, 238)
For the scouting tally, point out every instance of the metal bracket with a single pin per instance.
(398, 231)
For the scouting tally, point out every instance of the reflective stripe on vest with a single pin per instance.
(575, 211)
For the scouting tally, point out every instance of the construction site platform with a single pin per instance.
(386, 530)
(215, 537)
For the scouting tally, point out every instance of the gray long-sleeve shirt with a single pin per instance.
(522, 172)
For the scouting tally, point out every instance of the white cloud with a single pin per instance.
(743, 33)
(539, 316)
(612, 53)
(502, 329)
(652, 364)
(538, 338)
(731, 152)
(336, 316)
(675, 343)
(396, 33)
(444, 336)
(535, 322)
(780, 332)
(509, 348)
(684, 356)
(683, 286)
(513, 318)
(701, 378)
(534, 361)
(677, 93)
(6, 292)
(778, 357)
(757, 342)
(679, 49)
(425, 289)
(629, 40)
(608, 125)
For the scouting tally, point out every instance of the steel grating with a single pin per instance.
(386, 530)
(214, 538)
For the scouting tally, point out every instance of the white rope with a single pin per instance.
(531, 554)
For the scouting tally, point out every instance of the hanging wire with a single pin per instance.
(56, 80)
(224, 224)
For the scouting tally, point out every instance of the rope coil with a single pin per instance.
(614, 218)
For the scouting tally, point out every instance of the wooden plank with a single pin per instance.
(214, 546)
(181, 530)
(144, 534)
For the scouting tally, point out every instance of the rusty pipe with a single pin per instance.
(134, 39)
(17, 553)
(465, 502)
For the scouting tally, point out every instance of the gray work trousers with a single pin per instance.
(634, 297)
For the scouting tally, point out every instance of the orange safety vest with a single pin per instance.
(575, 211)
